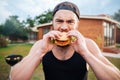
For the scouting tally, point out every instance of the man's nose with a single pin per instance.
(64, 28)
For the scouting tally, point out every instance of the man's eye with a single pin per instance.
(59, 21)
(70, 22)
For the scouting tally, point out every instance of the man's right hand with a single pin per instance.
(44, 45)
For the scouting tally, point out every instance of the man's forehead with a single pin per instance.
(65, 14)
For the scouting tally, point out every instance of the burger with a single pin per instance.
(64, 40)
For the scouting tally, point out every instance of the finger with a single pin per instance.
(76, 34)
(72, 35)
(52, 36)
(56, 34)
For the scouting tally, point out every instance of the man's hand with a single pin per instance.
(47, 45)
(44, 45)
(79, 44)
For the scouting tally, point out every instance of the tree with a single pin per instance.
(1, 29)
(45, 17)
(116, 15)
(30, 22)
(3, 40)
(10, 26)
(13, 28)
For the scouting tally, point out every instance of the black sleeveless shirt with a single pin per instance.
(72, 69)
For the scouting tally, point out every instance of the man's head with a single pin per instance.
(65, 17)
(67, 6)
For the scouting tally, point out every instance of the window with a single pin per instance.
(46, 30)
(108, 34)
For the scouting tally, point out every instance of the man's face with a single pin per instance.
(65, 20)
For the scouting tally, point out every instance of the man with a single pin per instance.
(68, 62)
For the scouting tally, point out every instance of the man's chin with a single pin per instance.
(64, 46)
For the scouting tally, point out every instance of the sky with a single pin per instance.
(32, 8)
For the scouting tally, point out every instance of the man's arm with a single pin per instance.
(103, 69)
(25, 68)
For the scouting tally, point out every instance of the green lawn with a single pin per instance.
(23, 49)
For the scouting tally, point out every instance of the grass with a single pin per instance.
(118, 45)
(23, 49)
(115, 61)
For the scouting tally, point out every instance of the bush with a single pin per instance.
(3, 41)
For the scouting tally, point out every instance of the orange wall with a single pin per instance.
(40, 33)
(118, 35)
(92, 29)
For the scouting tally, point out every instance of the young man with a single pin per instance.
(68, 62)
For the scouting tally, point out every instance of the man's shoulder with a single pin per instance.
(89, 40)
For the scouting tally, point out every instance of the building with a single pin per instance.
(118, 35)
(32, 37)
(101, 28)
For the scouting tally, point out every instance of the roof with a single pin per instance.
(45, 24)
(102, 17)
(34, 29)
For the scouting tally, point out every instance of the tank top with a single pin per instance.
(73, 68)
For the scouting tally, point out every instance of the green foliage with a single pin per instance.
(14, 29)
(30, 22)
(116, 15)
(1, 29)
(3, 41)
(46, 17)
(11, 26)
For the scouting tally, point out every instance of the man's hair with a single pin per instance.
(67, 6)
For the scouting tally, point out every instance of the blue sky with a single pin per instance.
(32, 8)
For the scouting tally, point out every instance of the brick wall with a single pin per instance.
(41, 31)
(92, 29)
(118, 35)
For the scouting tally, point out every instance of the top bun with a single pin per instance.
(63, 37)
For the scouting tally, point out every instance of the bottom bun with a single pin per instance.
(62, 43)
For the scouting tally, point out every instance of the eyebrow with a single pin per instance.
(66, 20)
(59, 20)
